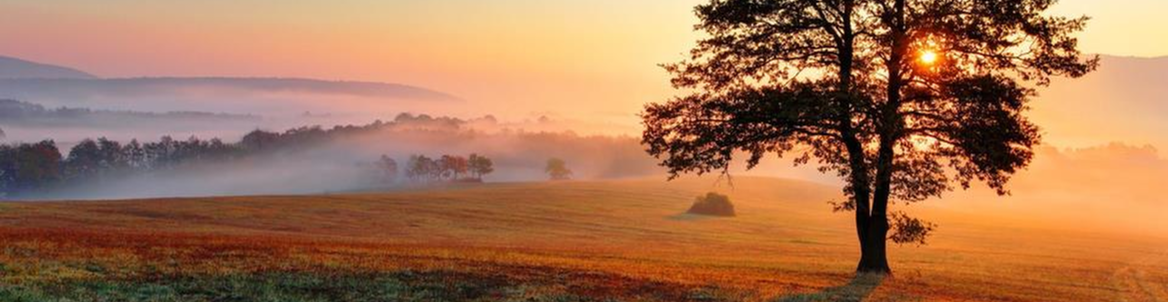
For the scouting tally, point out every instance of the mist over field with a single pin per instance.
(1105, 189)
(343, 161)
(68, 106)
(1122, 101)
(1126, 100)
(605, 150)
(1109, 188)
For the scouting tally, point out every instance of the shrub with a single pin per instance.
(713, 204)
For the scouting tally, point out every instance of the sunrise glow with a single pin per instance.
(588, 150)
(929, 57)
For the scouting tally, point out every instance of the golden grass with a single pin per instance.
(619, 237)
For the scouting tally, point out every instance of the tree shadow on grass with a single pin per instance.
(855, 291)
(690, 217)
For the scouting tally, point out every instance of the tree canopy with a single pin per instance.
(903, 99)
(557, 169)
(480, 165)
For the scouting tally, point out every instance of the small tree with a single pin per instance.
(37, 166)
(84, 160)
(480, 165)
(8, 166)
(135, 155)
(111, 156)
(557, 169)
(421, 169)
(259, 140)
(388, 169)
(453, 167)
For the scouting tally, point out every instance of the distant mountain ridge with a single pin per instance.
(35, 88)
(14, 112)
(26, 80)
(13, 68)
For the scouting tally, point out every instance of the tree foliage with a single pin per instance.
(26, 167)
(423, 169)
(388, 169)
(557, 169)
(712, 204)
(34, 168)
(480, 165)
(840, 84)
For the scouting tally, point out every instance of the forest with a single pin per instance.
(27, 168)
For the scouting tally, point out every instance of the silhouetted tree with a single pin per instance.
(217, 150)
(27, 167)
(84, 160)
(453, 167)
(135, 155)
(110, 156)
(259, 140)
(160, 154)
(95, 159)
(388, 168)
(423, 169)
(557, 169)
(842, 83)
(480, 165)
(8, 166)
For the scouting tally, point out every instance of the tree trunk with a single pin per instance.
(861, 197)
(875, 242)
(875, 253)
(871, 219)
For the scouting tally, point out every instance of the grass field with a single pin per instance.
(569, 241)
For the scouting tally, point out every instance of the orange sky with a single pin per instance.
(592, 60)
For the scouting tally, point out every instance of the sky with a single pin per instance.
(595, 59)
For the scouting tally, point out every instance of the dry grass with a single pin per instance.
(571, 241)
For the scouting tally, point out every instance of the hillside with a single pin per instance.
(81, 88)
(14, 112)
(13, 68)
(327, 101)
(566, 241)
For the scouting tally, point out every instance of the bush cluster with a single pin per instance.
(712, 204)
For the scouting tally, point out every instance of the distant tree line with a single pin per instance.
(31, 167)
(18, 111)
(450, 168)
(27, 167)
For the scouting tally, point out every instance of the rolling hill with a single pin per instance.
(565, 241)
(284, 102)
(80, 88)
(62, 86)
(13, 68)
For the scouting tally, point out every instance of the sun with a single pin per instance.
(928, 57)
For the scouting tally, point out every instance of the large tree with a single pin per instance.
(903, 99)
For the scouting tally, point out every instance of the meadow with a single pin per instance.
(620, 240)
